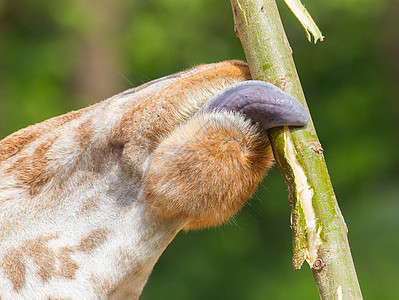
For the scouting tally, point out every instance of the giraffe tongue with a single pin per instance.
(260, 101)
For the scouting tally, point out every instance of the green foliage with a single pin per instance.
(350, 81)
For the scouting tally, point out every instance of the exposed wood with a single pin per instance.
(319, 230)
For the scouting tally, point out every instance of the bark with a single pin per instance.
(319, 230)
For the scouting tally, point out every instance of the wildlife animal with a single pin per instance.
(90, 199)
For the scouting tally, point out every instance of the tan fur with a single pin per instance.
(46, 258)
(12, 144)
(14, 261)
(93, 240)
(89, 200)
(30, 170)
(206, 169)
(101, 286)
(67, 266)
(14, 268)
(89, 205)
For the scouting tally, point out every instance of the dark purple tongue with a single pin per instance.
(260, 101)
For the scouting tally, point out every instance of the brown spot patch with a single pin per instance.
(101, 286)
(84, 132)
(89, 205)
(14, 268)
(15, 142)
(93, 240)
(42, 256)
(45, 258)
(30, 170)
(67, 266)
(7, 227)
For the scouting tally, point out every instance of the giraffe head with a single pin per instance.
(89, 200)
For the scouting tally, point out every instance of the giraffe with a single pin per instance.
(89, 200)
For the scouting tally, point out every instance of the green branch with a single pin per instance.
(319, 231)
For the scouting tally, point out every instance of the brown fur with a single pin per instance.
(89, 205)
(101, 286)
(42, 256)
(30, 170)
(84, 132)
(45, 258)
(93, 240)
(14, 268)
(153, 114)
(67, 266)
(13, 262)
(206, 169)
(12, 144)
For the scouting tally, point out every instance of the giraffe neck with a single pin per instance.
(81, 215)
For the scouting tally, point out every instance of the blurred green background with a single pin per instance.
(56, 56)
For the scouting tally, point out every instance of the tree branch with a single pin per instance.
(319, 230)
